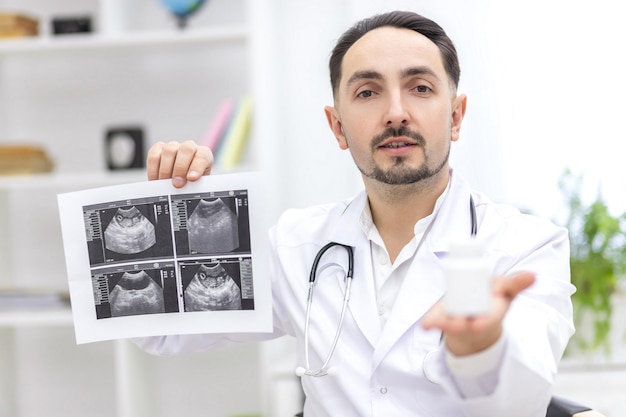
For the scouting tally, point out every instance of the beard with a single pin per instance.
(400, 173)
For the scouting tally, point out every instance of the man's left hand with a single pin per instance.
(467, 335)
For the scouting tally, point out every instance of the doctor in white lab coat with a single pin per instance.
(396, 110)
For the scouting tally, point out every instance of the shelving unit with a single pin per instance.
(38, 317)
(62, 92)
(144, 39)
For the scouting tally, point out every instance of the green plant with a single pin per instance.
(598, 259)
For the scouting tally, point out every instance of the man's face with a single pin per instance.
(395, 109)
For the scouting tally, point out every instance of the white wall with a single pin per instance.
(544, 87)
(559, 69)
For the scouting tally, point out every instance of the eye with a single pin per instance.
(365, 94)
(422, 89)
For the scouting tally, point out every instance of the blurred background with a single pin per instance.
(545, 96)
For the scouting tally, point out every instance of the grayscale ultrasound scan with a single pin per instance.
(162, 254)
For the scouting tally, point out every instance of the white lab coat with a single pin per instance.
(382, 372)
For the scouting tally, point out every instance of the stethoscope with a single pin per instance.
(325, 369)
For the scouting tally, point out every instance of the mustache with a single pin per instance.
(393, 132)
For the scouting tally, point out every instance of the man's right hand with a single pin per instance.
(181, 162)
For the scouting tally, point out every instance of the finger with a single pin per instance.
(153, 161)
(182, 162)
(510, 287)
(201, 163)
(456, 324)
(438, 318)
(506, 288)
(433, 317)
(192, 161)
(168, 156)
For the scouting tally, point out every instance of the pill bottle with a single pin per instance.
(468, 277)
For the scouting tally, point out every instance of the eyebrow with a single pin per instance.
(421, 70)
(364, 75)
(407, 73)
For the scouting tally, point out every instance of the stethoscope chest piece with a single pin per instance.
(431, 366)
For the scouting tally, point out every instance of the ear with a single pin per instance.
(335, 126)
(458, 113)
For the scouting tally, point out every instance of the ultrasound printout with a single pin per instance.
(148, 259)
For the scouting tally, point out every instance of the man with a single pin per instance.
(394, 78)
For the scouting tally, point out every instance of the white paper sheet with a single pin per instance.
(147, 259)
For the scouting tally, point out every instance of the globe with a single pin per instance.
(183, 9)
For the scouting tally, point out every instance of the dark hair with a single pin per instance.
(398, 19)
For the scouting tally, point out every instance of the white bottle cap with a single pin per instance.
(470, 248)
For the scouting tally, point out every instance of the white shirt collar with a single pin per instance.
(366, 222)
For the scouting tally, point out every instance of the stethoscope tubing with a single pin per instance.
(346, 297)
(316, 261)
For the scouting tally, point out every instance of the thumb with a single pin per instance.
(509, 287)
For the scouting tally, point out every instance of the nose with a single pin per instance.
(397, 113)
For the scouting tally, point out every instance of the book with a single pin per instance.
(14, 25)
(11, 20)
(236, 137)
(23, 159)
(219, 125)
(29, 299)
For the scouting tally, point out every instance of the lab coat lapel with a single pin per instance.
(421, 289)
(453, 222)
(363, 298)
(362, 304)
(424, 284)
